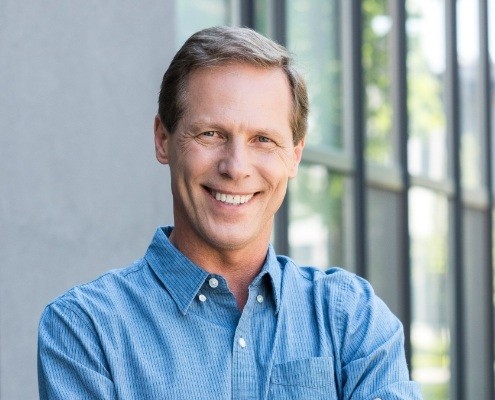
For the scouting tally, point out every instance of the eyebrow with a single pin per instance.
(201, 124)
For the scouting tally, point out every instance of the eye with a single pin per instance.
(264, 139)
(210, 138)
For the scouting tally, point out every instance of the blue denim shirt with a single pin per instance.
(164, 328)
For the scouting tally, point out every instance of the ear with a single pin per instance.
(161, 141)
(298, 150)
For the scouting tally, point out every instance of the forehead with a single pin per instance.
(239, 90)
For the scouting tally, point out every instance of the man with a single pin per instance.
(211, 312)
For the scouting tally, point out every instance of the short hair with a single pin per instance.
(222, 45)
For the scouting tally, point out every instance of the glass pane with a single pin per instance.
(383, 244)
(317, 213)
(262, 16)
(377, 77)
(476, 361)
(427, 147)
(191, 16)
(468, 42)
(314, 36)
(430, 333)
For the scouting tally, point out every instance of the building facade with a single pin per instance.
(396, 182)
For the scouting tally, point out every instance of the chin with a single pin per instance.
(230, 241)
(230, 244)
(229, 235)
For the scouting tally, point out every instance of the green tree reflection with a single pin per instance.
(377, 80)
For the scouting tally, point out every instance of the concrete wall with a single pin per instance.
(80, 189)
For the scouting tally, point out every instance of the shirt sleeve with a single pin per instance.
(71, 363)
(373, 364)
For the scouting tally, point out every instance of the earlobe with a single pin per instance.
(161, 141)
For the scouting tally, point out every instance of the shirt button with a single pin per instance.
(213, 282)
(202, 298)
(242, 342)
(259, 298)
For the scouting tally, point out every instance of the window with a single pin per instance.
(426, 73)
(191, 16)
(314, 36)
(468, 42)
(318, 217)
(430, 331)
(319, 206)
(377, 77)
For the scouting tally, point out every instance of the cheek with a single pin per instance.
(275, 171)
(194, 168)
(278, 162)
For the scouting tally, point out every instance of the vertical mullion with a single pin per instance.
(453, 121)
(247, 13)
(281, 229)
(358, 129)
(279, 23)
(486, 129)
(282, 217)
(401, 132)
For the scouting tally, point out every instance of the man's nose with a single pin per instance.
(235, 161)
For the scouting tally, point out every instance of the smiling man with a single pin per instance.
(230, 155)
(210, 311)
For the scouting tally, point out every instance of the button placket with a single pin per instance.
(243, 358)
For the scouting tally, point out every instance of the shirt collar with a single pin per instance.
(183, 279)
(271, 268)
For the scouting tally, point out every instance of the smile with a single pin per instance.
(233, 199)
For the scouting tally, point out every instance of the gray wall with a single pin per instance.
(80, 189)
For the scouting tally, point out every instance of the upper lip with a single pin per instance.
(228, 192)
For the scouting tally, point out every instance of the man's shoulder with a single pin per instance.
(336, 285)
(105, 289)
(339, 295)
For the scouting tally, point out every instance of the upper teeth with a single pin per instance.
(232, 199)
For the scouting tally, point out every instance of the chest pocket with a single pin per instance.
(308, 379)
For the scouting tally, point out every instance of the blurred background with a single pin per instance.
(396, 183)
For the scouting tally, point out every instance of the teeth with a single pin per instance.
(232, 199)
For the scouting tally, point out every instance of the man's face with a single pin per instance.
(231, 155)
